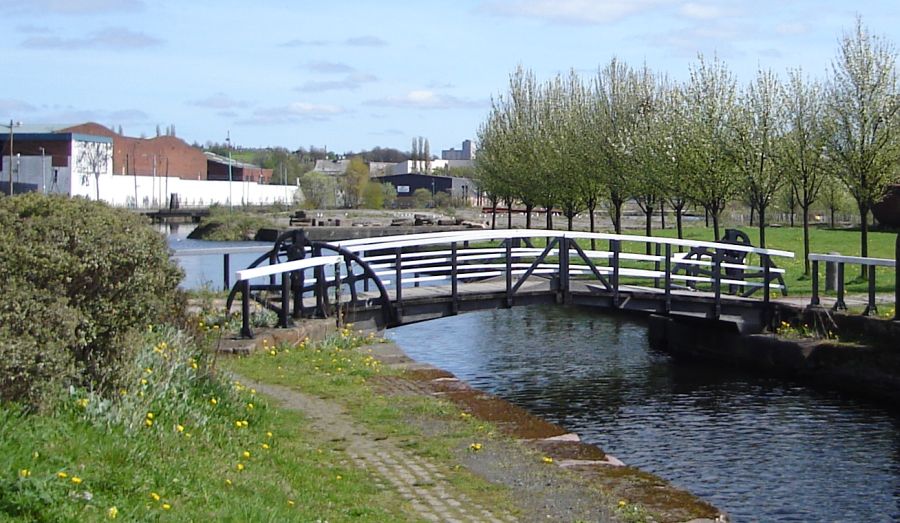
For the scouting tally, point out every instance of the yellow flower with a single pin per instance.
(194, 365)
(338, 477)
(166, 506)
(62, 475)
(149, 415)
(252, 391)
(155, 496)
(143, 381)
(265, 446)
(35, 455)
(112, 512)
(475, 447)
(83, 402)
(249, 406)
(24, 473)
(179, 428)
(290, 502)
(268, 434)
(240, 467)
(76, 480)
(246, 454)
(244, 423)
(547, 459)
(148, 370)
(228, 482)
(213, 401)
(273, 352)
(148, 422)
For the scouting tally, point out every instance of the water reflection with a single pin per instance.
(761, 449)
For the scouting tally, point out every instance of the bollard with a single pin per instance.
(896, 279)
(831, 274)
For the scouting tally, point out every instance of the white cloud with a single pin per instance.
(702, 11)
(114, 38)
(427, 99)
(350, 83)
(293, 113)
(573, 11)
(219, 101)
(70, 7)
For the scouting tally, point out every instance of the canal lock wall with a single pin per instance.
(867, 368)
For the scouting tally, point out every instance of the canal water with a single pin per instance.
(761, 449)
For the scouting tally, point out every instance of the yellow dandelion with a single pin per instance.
(166, 506)
(273, 352)
(155, 496)
(148, 370)
(246, 454)
(83, 402)
(76, 480)
(194, 365)
(62, 475)
(268, 434)
(265, 446)
(143, 381)
(35, 455)
(339, 477)
(244, 423)
(179, 428)
(112, 512)
(213, 401)
(249, 406)
(240, 467)
(622, 502)
(547, 459)
(150, 415)
(148, 422)
(291, 503)
(252, 391)
(228, 482)
(475, 447)
(24, 473)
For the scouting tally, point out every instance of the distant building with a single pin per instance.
(467, 152)
(217, 168)
(406, 185)
(332, 167)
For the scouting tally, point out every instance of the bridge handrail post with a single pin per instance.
(454, 288)
(509, 273)
(717, 283)
(321, 286)
(896, 279)
(668, 282)
(245, 310)
(871, 308)
(814, 301)
(398, 283)
(564, 268)
(298, 279)
(767, 292)
(656, 265)
(337, 294)
(285, 300)
(362, 254)
(226, 264)
(615, 246)
(840, 304)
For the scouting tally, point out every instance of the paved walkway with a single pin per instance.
(418, 480)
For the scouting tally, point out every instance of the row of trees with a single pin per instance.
(629, 134)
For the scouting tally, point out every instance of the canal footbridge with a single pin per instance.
(396, 280)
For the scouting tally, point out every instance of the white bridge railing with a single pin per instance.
(352, 267)
(840, 261)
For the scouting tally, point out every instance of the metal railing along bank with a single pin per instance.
(870, 263)
(345, 271)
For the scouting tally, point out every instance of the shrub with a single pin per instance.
(82, 276)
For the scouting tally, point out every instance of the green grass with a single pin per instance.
(85, 457)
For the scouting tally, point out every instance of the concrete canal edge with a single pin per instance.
(869, 368)
(585, 464)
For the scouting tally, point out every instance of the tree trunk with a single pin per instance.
(678, 213)
(706, 215)
(662, 215)
(570, 217)
(752, 212)
(591, 214)
(832, 217)
(97, 180)
(806, 241)
(715, 219)
(617, 217)
(864, 236)
(493, 215)
(762, 227)
(792, 216)
(528, 208)
(648, 227)
(509, 215)
(549, 219)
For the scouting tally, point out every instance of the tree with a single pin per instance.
(710, 111)
(319, 190)
(426, 152)
(95, 158)
(834, 198)
(388, 194)
(373, 195)
(863, 134)
(354, 182)
(647, 169)
(757, 128)
(800, 150)
(421, 197)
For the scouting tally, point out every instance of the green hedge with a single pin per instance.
(79, 276)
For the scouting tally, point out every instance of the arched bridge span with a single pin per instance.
(404, 279)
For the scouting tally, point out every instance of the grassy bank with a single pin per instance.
(180, 444)
(224, 224)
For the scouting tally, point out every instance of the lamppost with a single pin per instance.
(12, 125)
(432, 193)
(43, 172)
(228, 145)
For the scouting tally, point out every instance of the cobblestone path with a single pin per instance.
(419, 481)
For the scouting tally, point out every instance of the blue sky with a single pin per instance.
(351, 75)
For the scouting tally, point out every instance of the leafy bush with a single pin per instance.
(80, 277)
(225, 224)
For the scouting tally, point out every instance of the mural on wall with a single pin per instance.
(94, 158)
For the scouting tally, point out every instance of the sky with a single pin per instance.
(352, 75)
